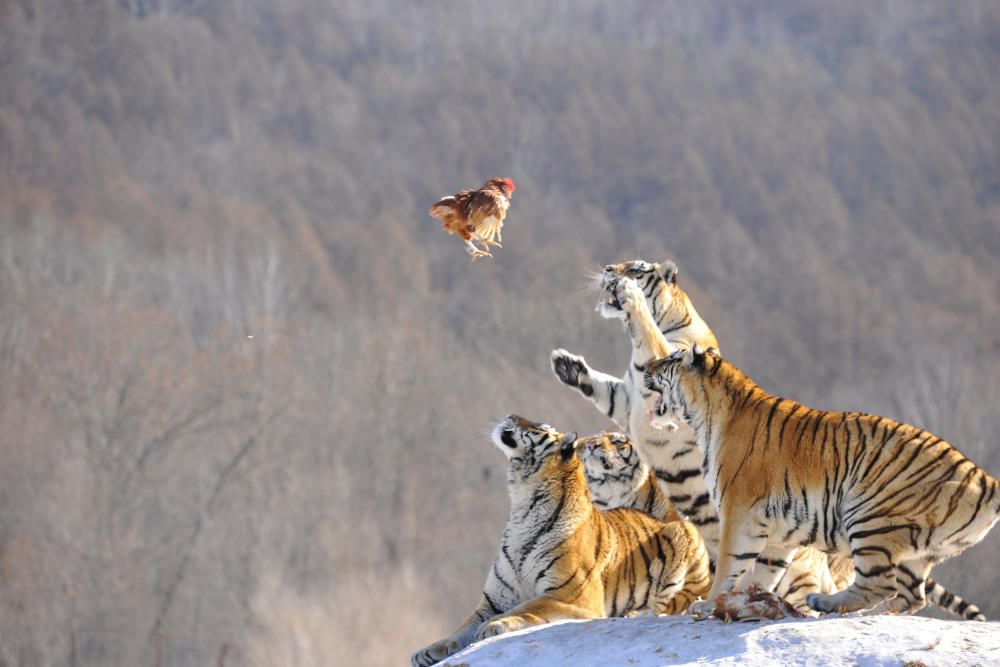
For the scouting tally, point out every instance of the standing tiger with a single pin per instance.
(617, 477)
(672, 452)
(894, 497)
(561, 558)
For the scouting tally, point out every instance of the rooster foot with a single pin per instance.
(473, 250)
(476, 253)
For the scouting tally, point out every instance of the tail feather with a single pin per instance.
(939, 596)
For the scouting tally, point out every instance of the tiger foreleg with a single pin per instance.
(606, 392)
(462, 637)
(534, 612)
(739, 548)
(911, 596)
(770, 567)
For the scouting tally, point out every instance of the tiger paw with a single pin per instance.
(435, 653)
(841, 603)
(571, 370)
(701, 609)
(500, 626)
(629, 294)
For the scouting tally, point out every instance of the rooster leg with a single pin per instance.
(474, 251)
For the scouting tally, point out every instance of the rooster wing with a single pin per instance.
(452, 211)
(486, 211)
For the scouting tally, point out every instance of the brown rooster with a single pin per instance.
(476, 214)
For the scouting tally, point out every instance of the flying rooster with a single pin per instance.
(476, 215)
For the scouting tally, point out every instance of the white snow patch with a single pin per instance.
(651, 642)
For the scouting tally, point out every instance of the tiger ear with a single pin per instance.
(669, 271)
(567, 446)
(698, 356)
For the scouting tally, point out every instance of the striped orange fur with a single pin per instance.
(894, 497)
(560, 557)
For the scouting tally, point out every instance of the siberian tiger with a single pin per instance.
(671, 452)
(617, 477)
(562, 558)
(894, 497)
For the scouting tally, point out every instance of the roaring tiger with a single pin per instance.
(894, 497)
(562, 558)
(672, 452)
(617, 477)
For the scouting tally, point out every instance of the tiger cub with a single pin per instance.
(894, 497)
(561, 558)
(617, 477)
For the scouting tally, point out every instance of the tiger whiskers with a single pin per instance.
(592, 280)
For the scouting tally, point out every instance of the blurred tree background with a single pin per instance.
(246, 380)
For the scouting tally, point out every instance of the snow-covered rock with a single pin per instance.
(649, 641)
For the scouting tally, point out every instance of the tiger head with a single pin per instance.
(658, 283)
(613, 469)
(666, 377)
(533, 449)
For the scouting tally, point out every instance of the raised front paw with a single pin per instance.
(571, 370)
(629, 294)
(500, 626)
(435, 653)
(701, 609)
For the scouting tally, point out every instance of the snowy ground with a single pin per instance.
(648, 642)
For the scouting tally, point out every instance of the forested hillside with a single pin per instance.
(246, 379)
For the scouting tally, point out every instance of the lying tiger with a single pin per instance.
(894, 497)
(561, 558)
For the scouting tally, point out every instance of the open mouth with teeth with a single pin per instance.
(610, 286)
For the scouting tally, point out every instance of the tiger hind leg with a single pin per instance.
(911, 596)
(874, 583)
